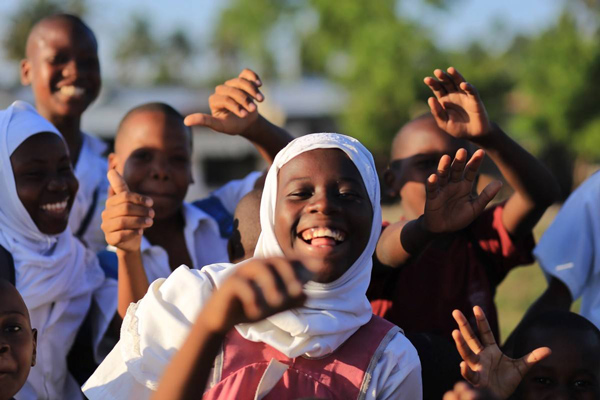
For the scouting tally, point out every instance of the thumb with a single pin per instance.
(490, 191)
(203, 120)
(529, 360)
(117, 183)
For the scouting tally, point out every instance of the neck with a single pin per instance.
(162, 229)
(69, 127)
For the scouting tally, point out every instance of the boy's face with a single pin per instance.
(416, 152)
(153, 154)
(62, 67)
(17, 341)
(44, 180)
(323, 214)
(572, 371)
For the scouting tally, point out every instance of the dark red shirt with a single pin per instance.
(455, 271)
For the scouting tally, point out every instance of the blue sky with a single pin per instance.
(453, 28)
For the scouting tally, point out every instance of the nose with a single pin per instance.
(160, 170)
(4, 347)
(325, 203)
(70, 69)
(58, 184)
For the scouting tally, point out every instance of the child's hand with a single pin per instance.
(484, 365)
(462, 391)
(456, 106)
(255, 291)
(232, 105)
(450, 204)
(126, 215)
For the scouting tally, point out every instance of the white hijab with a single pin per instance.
(49, 268)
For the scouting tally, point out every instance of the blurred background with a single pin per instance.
(351, 66)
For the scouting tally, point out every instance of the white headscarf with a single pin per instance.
(333, 311)
(49, 268)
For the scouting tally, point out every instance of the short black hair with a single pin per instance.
(74, 19)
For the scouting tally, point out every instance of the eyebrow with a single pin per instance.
(12, 312)
(342, 179)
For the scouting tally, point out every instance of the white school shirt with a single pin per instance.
(570, 248)
(202, 237)
(90, 171)
(397, 375)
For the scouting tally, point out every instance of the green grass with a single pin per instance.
(521, 287)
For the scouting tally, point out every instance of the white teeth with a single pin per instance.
(56, 207)
(312, 233)
(70, 90)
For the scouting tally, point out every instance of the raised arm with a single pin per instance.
(458, 110)
(126, 216)
(234, 112)
(449, 207)
(255, 291)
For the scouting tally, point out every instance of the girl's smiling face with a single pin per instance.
(44, 180)
(323, 215)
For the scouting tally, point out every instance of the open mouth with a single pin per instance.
(56, 208)
(72, 91)
(323, 236)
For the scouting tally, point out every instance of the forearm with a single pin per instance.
(133, 283)
(535, 187)
(400, 241)
(267, 137)
(188, 372)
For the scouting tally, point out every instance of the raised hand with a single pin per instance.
(126, 215)
(255, 291)
(484, 365)
(462, 391)
(232, 106)
(456, 106)
(450, 204)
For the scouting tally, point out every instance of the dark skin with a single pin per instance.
(62, 67)
(18, 341)
(458, 115)
(44, 180)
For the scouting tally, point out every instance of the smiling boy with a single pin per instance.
(61, 65)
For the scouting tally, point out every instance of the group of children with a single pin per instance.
(285, 284)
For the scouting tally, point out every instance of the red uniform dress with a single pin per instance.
(455, 271)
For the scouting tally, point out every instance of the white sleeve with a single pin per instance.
(232, 192)
(571, 245)
(397, 375)
(152, 332)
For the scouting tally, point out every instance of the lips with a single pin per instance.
(57, 208)
(322, 236)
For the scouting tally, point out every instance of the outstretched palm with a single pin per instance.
(450, 204)
(456, 106)
(484, 365)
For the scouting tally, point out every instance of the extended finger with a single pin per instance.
(443, 169)
(220, 102)
(473, 165)
(437, 110)
(466, 331)
(456, 76)
(486, 195)
(248, 86)
(466, 353)
(251, 76)
(204, 120)
(117, 183)
(431, 186)
(485, 332)
(240, 96)
(458, 165)
(446, 80)
(470, 90)
(249, 296)
(529, 360)
(285, 270)
(467, 373)
(436, 87)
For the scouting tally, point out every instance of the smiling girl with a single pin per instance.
(54, 272)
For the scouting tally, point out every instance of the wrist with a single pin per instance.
(491, 139)
(253, 130)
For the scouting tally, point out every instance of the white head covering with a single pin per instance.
(333, 311)
(49, 268)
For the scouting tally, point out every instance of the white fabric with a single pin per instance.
(90, 171)
(570, 247)
(232, 192)
(157, 326)
(55, 274)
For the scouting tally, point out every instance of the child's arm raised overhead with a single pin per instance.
(459, 111)
(255, 291)
(449, 206)
(484, 365)
(235, 112)
(126, 216)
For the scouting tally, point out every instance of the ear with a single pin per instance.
(34, 354)
(112, 161)
(25, 72)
